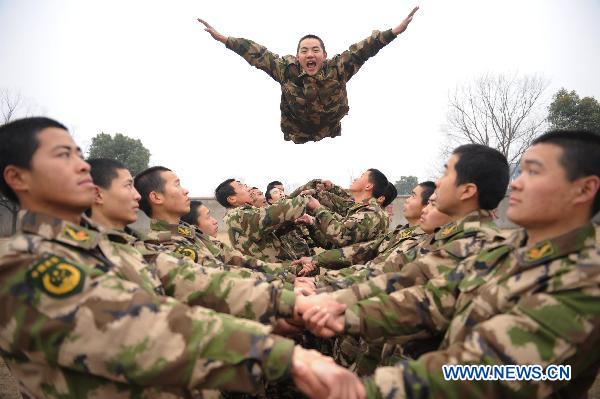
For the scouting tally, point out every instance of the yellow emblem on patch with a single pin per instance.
(77, 235)
(184, 231)
(57, 277)
(406, 233)
(449, 230)
(187, 251)
(539, 252)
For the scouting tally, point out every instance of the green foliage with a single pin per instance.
(122, 148)
(406, 184)
(568, 111)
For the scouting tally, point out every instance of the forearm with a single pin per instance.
(222, 291)
(256, 55)
(415, 312)
(338, 258)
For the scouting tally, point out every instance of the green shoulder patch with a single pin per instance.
(57, 277)
(540, 251)
(188, 251)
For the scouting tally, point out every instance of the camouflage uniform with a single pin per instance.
(216, 288)
(512, 304)
(70, 326)
(311, 106)
(364, 221)
(252, 230)
(370, 252)
(186, 240)
(450, 245)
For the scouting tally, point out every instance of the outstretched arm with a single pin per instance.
(256, 55)
(350, 61)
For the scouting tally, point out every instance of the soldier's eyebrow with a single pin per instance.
(66, 147)
(533, 162)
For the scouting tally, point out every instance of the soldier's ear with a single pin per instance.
(586, 189)
(155, 198)
(231, 200)
(17, 178)
(98, 198)
(468, 191)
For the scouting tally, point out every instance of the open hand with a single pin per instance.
(404, 24)
(213, 32)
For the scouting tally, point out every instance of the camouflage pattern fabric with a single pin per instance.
(364, 221)
(252, 230)
(511, 304)
(416, 264)
(311, 106)
(71, 327)
(183, 240)
(450, 245)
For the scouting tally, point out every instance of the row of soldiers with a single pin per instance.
(91, 308)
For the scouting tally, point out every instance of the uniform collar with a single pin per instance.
(557, 247)
(52, 228)
(182, 229)
(469, 223)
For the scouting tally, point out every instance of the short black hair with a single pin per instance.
(223, 191)
(581, 154)
(485, 167)
(273, 184)
(379, 182)
(310, 36)
(18, 143)
(390, 194)
(192, 216)
(147, 181)
(428, 189)
(105, 170)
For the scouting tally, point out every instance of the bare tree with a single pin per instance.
(499, 111)
(12, 106)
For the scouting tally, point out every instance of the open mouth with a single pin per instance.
(311, 65)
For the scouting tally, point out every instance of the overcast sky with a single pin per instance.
(148, 70)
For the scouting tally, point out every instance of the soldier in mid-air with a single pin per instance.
(313, 88)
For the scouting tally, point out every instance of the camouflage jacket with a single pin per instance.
(186, 240)
(253, 230)
(232, 256)
(311, 106)
(512, 304)
(71, 327)
(376, 250)
(336, 198)
(235, 291)
(450, 245)
(363, 221)
(404, 243)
